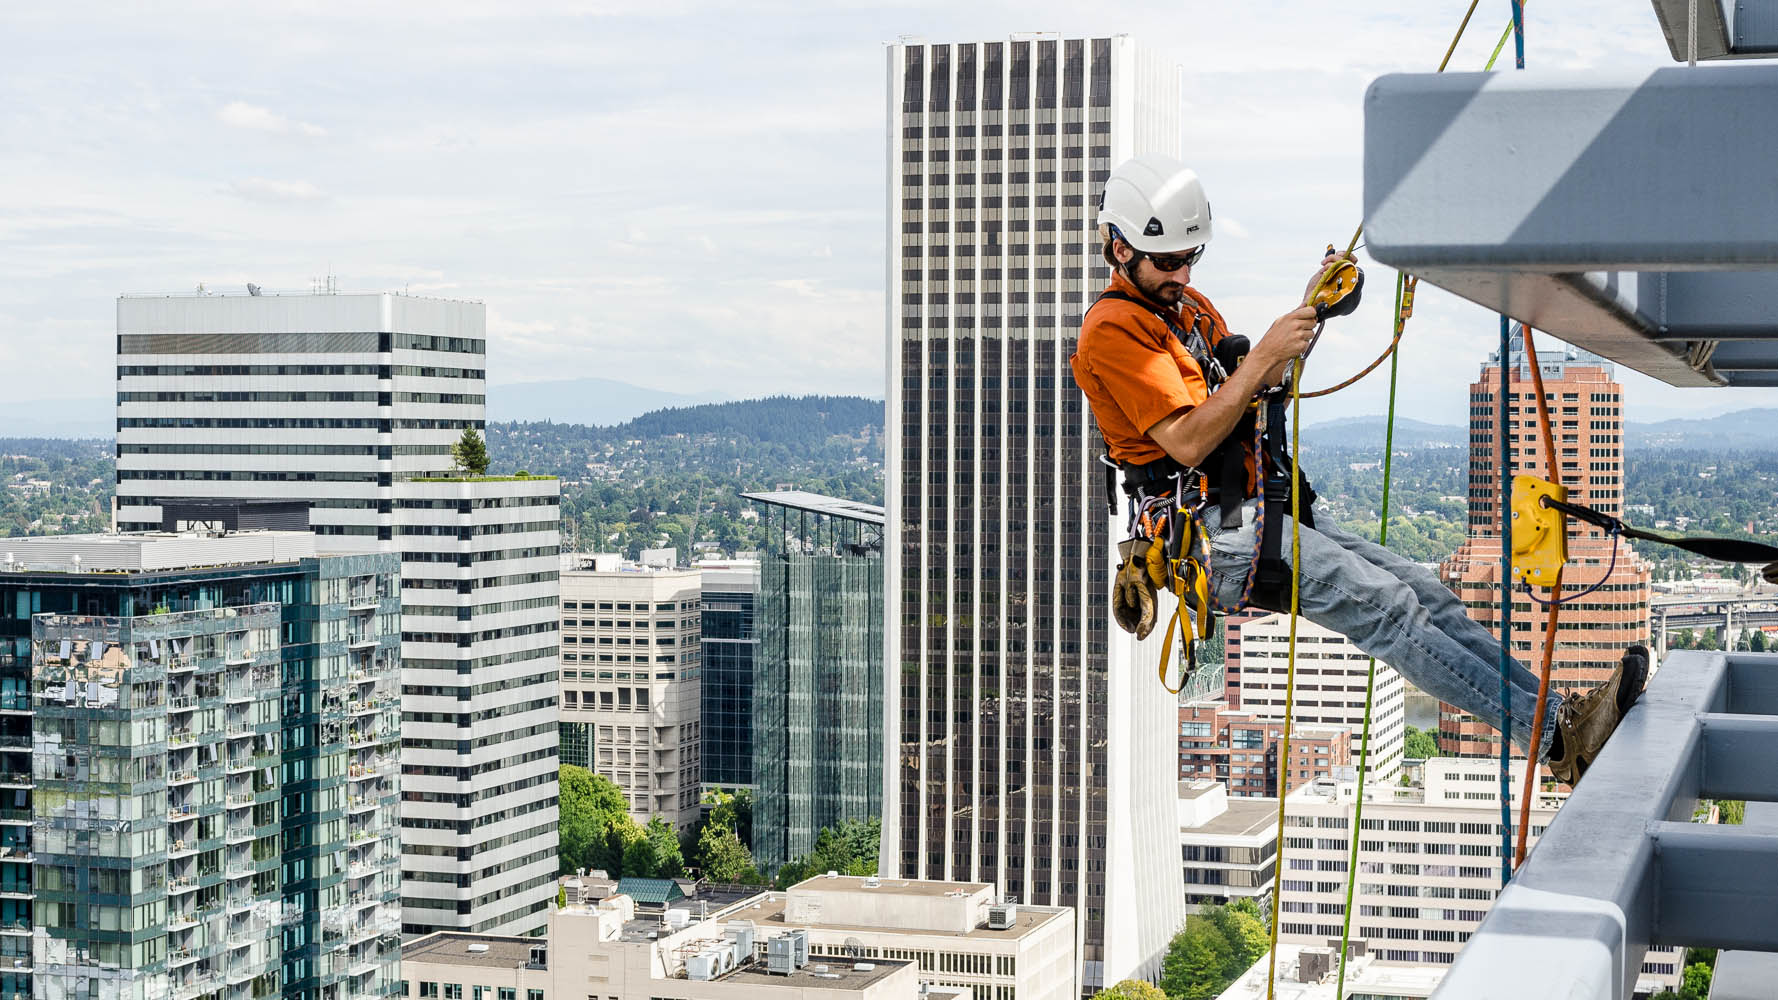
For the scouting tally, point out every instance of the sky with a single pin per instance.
(682, 196)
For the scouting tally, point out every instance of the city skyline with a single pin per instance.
(566, 182)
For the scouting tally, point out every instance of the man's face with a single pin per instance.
(1165, 287)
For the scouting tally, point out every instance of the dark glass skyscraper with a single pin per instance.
(818, 671)
(731, 597)
(1021, 743)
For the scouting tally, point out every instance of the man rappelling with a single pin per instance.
(1193, 420)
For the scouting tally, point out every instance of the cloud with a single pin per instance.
(264, 189)
(240, 114)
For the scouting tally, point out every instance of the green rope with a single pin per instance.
(1370, 682)
(1504, 35)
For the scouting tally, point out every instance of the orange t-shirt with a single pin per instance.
(1134, 372)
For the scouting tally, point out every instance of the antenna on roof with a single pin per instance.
(252, 289)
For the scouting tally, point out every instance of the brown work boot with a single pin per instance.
(1586, 721)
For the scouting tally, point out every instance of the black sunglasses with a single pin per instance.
(1171, 263)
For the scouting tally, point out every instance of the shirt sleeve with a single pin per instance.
(1147, 381)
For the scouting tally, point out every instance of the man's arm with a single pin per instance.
(1190, 434)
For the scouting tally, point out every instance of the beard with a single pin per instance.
(1165, 291)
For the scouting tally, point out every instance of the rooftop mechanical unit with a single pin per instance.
(1002, 917)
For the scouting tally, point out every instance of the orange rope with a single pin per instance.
(1553, 611)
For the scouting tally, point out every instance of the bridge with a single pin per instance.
(1727, 615)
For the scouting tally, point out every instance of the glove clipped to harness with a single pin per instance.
(1133, 597)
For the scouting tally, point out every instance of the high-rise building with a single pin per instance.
(632, 686)
(1020, 754)
(200, 740)
(1331, 679)
(818, 681)
(731, 643)
(350, 404)
(1586, 418)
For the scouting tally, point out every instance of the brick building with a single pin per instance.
(1586, 412)
(1241, 750)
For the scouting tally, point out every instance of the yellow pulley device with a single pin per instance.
(1540, 533)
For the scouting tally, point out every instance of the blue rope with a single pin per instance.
(1506, 602)
(1519, 33)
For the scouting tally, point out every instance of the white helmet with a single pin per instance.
(1157, 205)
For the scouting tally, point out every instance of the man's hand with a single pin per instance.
(1286, 341)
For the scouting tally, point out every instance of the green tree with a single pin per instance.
(733, 810)
(723, 858)
(655, 854)
(1131, 989)
(1421, 744)
(1695, 982)
(1758, 641)
(850, 849)
(1193, 968)
(470, 453)
(1707, 640)
(594, 827)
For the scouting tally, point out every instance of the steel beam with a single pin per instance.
(1633, 215)
(1745, 29)
(1740, 757)
(1718, 886)
(1620, 869)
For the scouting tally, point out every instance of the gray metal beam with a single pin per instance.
(1620, 869)
(1713, 28)
(1718, 886)
(1740, 757)
(1633, 215)
(1746, 29)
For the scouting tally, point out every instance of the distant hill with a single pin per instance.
(1743, 430)
(1367, 432)
(596, 402)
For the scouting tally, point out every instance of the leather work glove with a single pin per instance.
(1133, 598)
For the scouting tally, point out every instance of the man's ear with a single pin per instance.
(1122, 251)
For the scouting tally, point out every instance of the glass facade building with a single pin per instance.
(202, 765)
(1021, 743)
(818, 673)
(731, 603)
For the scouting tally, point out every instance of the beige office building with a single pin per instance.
(631, 685)
(1331, 675)
(1428, 863)
(827, 937)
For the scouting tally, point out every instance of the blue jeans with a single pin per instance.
(1394, 610)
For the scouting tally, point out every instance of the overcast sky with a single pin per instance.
(682, 196)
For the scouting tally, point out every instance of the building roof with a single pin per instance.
(815, 503)
(1363, 976)
(1244, 817)
(448, 947)
(767, 913)
(650, 891)
(822, 973)
(888, 886)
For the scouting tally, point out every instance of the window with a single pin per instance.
(533, 995)
(508, 993)
(453, 991)
(428, 989)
